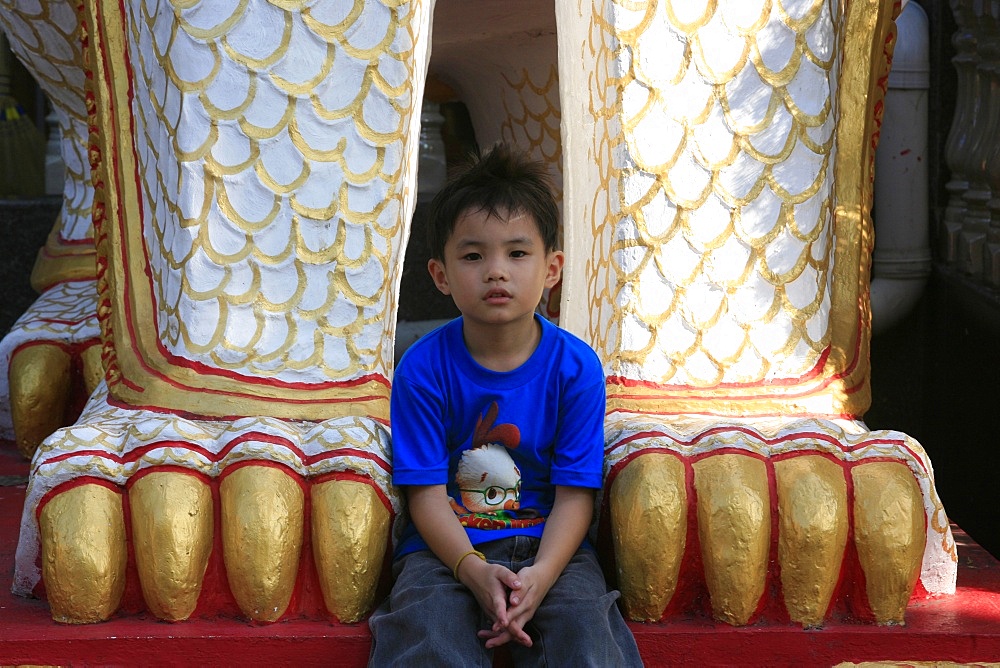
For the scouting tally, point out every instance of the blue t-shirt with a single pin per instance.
(500, 441)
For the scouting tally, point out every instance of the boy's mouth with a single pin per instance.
(497, 295)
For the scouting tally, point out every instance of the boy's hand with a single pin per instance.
(489, 583)
(564, 531)
(535, 583)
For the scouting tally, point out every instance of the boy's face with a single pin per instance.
(495, 268)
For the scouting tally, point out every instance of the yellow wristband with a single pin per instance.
(458, 563)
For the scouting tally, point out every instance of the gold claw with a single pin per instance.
(734, 526)
(812, 533)
(93, 368)
(350, 531)
(39, 390)
(262, 518)
(172, 522)
(889, 534)
(649, 528)
(83, 554)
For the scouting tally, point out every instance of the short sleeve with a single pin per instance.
(579, 454)
(419, 449)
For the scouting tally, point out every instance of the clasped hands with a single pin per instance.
(509, 599)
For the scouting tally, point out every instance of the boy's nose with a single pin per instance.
(496, 272)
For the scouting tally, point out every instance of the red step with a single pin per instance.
(963, 628)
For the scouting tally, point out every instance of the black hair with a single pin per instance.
(502, 180)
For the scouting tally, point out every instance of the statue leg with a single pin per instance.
(249, 250)
(718, 169)
(49, 361)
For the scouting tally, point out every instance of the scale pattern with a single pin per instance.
(45, 37)
(531, 122)
(713, 260)
(273, 165)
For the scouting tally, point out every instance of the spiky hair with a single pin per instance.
(504, 180)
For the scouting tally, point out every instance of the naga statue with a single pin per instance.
(249, 168)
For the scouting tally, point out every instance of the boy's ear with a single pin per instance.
(556, 259)
(436, 269)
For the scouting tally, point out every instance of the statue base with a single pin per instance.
(963, 628)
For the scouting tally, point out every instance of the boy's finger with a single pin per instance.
(523, 638)
(497, 640)
(500, 612)
(518, 633)
(509, 579)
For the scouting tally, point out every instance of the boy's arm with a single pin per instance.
(439, 527)
(564, 532)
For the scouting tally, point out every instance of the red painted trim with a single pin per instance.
(137, 453)
(61, 321)
(65, 241)
(264, 463)
(72, 484)
(74, 349)
(166, 468)
(171, 411)
(168, 357)
(671, 390)
(62, 345)
(778, 382)
(722, 415)
(356, 477)
(200, 416)
(818, 436)
(350, 452)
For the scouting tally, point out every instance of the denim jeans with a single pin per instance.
(430, 619)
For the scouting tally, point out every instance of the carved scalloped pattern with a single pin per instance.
(713, 263)
(272, 144)
(45, 37)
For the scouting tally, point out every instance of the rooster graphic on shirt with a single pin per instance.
(488, 480)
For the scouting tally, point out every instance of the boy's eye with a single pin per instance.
(471, 256)
(518, 253)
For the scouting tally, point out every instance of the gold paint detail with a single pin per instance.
(724, 197)
(46, 38)
(51, 268)
(532, 122)
(350, 532)
(906, 663)
(83, 554)
(734, 526)
(288, 306)
(93, 368)
(172, 527)
(889, 533)
(262, 528)
(812, 533)
(40, 379)
(846, 441)
(649, 527)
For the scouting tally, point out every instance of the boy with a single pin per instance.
(498, 436)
